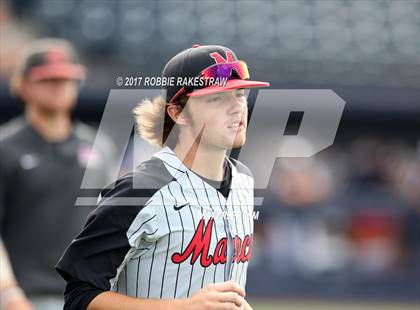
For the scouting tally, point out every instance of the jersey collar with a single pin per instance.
(176, 167)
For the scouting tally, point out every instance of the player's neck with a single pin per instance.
(53, 127)
(201, 159)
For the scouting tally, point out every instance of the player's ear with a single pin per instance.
(177, 113)
(23, 90)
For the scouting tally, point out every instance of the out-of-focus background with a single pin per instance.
(339, 228)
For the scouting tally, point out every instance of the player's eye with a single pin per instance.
(241, 93)
(215, 99)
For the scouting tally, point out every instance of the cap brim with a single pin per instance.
(231, 84)
(58, 71)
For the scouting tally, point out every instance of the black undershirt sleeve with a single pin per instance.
(79, 294)
(92, 258)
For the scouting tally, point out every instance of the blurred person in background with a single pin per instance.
(304, 228)
(403, 175)
(380, 170)
(43, 156)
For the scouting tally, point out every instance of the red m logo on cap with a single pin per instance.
(219, 58)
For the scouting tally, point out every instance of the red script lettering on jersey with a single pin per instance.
(200, 244)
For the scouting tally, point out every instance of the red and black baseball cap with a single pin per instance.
(52, 59)
(207, 61)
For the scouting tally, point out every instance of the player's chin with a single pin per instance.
(232, 139)
(239, 142)
(57, 106)
(236, 142)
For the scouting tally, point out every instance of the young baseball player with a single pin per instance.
(177, 232)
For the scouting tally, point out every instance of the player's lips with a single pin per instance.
(237, 125)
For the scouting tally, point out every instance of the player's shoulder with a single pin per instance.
(88, 134)
(129, 194)
(241, 167)
(84, 131)
(144, 181)
(12, 130)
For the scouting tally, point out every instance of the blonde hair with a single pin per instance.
(37, 46)
(151, 117)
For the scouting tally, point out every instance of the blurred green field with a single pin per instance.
(317, 305)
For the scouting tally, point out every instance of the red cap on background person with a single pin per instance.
(47, 59)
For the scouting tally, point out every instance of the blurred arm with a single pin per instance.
(11, 295)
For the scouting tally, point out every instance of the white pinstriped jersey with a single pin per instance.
(184, 236)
